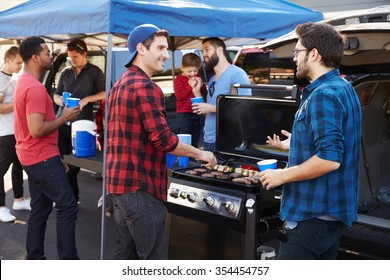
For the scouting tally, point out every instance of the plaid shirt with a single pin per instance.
(138, 136)
(327, 124)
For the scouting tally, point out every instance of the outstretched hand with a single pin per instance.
(276, 142)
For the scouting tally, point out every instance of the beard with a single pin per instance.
(212, 62)
(48, 66)
(303, 70)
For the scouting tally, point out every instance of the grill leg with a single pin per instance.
(249, 245)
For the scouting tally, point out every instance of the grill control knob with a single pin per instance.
(229, 206)
(192, 197)
(174, 193)
(209, 200)
(183, 195)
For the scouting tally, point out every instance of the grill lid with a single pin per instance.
(244, 122)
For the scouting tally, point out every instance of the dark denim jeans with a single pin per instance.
(65, 146)
(313, 239)
(7, 157)
(140, 226)
(190, 123)
(47, 183)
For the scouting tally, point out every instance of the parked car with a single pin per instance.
(366, 64)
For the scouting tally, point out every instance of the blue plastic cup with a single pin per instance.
(196, 100)
(185, 138)
(267, 164)
(65, 96)
(171, 159)
(73, 102)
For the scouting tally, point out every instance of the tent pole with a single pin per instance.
(173, 58)
(108, 87)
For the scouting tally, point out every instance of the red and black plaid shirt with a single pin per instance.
(138, 136)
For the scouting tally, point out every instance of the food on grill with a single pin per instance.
(247, 180)
(224, 177)
(238, 170)
(224, 172)
(242, 180)
(228, 169)
(254, 180)
(220, 168)
(201, 170)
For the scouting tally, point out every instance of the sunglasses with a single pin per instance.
(77, 46)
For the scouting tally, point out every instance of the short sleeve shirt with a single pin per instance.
(31, 97)
(90, 81)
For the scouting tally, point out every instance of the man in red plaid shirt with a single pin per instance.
(138, 137)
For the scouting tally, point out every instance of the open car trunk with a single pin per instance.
(369, 237)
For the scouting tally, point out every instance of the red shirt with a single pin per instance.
(31, 97)
(183, 92)
(138, 136)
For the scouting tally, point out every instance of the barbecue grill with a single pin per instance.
(218, 217)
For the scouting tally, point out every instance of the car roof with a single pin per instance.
(369, 20)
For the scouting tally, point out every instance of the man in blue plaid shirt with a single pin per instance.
(321, 184)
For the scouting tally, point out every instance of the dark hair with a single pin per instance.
(148, 41)
(216, 43)
(324, 38)
(78, 46)
(11, 53)
(191, 59)
(30, 46)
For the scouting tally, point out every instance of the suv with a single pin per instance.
(366, 64)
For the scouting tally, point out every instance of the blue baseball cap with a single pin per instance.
(139, 35)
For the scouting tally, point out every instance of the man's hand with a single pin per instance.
(58, 99)
(275, 141)
(70, 114)
(207, 157)
(271, 178)
(203, 108)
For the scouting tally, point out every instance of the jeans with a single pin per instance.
(189, 123)
(210, 146)
(47, 183)
(7, 157)
(140, 226)
(313, 239)
(65, 146)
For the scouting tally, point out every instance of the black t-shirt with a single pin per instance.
(90, 81)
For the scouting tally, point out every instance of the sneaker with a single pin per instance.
(22, 205)
(6, 216)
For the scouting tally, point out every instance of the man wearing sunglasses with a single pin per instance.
(83, 80)
(216, 57)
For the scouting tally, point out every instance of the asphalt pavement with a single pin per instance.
(88, 226)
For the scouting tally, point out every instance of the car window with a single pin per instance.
(265, 68)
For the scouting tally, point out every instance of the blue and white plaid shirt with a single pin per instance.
(327, 124)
